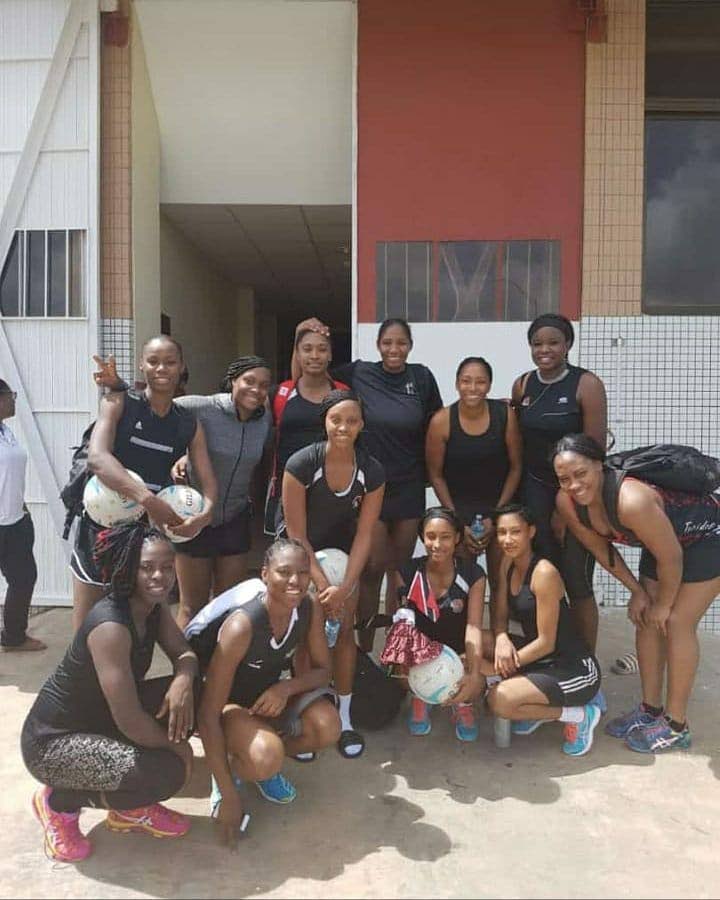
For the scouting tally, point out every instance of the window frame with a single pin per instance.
(22, 237)
(657, 109)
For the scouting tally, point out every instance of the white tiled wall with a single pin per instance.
(662, 375)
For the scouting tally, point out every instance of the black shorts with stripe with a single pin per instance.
(82, 562)
(564, 681)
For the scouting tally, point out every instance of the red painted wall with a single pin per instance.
(470, 127)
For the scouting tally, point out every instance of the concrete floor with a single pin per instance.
(413, 818)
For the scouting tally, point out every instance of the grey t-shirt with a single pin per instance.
(235, 449)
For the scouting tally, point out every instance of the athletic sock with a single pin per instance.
(344, 711)
(654, 711)
(675, 725)
(572, 714)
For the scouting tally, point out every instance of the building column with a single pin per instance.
(116, 304)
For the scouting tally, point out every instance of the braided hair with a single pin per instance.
(283, 544)
(240, 365)
(117, 553)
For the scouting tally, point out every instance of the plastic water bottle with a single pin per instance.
(503, 732)
(332, 629)
(477, 528)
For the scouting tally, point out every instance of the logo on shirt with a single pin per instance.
(457, 604)
(525, 401)
(410, 388)
(357, 501)
(562, 399)
(258, 664)
(138, 426)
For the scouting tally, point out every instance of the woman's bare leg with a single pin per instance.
(683, 649)
(194, 575)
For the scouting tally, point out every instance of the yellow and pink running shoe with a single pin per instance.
(157, 820)
(63, 839)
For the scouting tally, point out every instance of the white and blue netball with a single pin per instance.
(435, 681)
(185, 501)
(109, 508)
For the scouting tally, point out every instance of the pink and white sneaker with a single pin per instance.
(157, 820)
(63, 839)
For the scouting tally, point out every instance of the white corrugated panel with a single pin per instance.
(52, 356)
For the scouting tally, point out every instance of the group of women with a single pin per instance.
(352, 450)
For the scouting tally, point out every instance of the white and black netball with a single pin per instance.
(109, 508)
(185, 501)
(435, 681)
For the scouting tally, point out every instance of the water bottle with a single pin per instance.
(332, 629)
(503, 732)
(477, 529)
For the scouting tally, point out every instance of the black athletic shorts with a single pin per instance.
(232, 538)
(701, 561)
(403, 500)
(82, 561)
(565, 682)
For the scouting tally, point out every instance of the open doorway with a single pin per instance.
(250, 273)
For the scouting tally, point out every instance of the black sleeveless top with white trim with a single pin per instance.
(546, 413)
(150, 444)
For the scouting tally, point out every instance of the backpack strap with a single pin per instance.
(613, 479)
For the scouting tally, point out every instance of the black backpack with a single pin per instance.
(376, 698)
(674, 467)
(671, 466)
(72, 494)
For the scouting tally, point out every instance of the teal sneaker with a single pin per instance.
(419, 723)
(216, 796)
(621, 726)
(463, 716)
(659, 737)
(600, 701)
(579, 735)
(527, 726)
(277, 789)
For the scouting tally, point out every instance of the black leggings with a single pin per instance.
(574, 562)
(104, 771)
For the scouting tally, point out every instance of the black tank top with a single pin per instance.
(71, 700)
(266, 659)
(523, 609)
(476, 466)
(546, 413)
(150, 444)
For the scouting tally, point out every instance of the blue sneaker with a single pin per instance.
(465, 725)
(527, 726)
(579, 736)
(621, 726)
(216, 796)
(419, 723)
(277, 789)
(600, 701)
(658, 738)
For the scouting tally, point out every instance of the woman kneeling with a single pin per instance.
(443, 596)
(93, 736)
(251, 718)
(548, 672)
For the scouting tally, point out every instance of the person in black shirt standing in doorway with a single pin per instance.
(399, 399)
